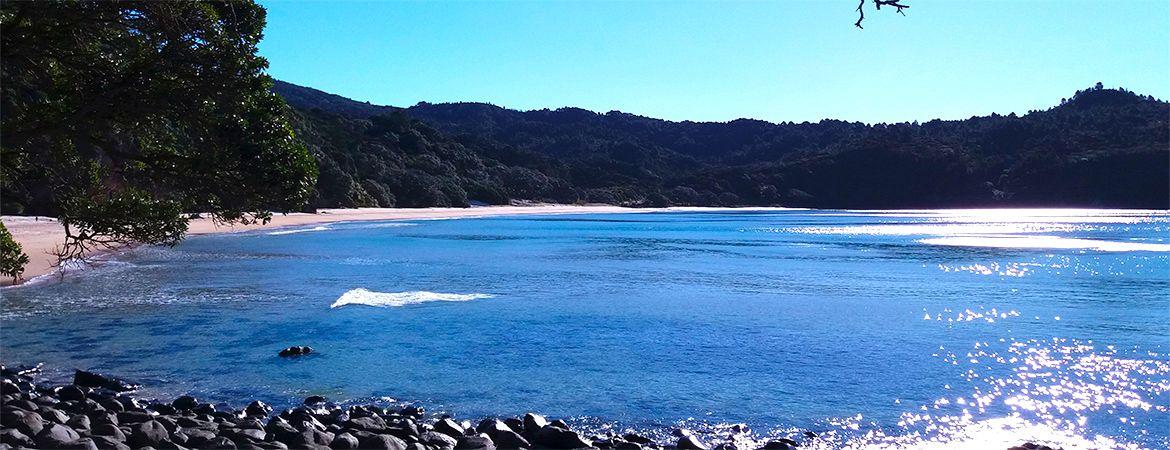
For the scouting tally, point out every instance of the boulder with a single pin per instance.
(71, 392)
(475, 443)
(28, 423)
(450, 428)
(371, 423)
(555, 437)
(690, 442)
(53, 415)
(185, 403)
(82, 444)
(344, 441)
(90, 379)
(79, 423)
(219, 443)
(534, 422)
(258, 408)
(56, 435)
(150, 433)
(781, 444)
(509, 439)
(637, 439)
(15, 438)
(314, 400)
(434, 439)
(109, 430)
(382, 442)
(109, 443)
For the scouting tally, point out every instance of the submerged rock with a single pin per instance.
(296, 351)
(94, 380)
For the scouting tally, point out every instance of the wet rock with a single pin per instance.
(690, 442)
(509, 439)
(219, 443)
(258, 408)
(109, 430)
(310, 436)
(90, 379)
(314, 400)
(622, 444)
(681, 432)
(82, 444)
(435, 439)
(475, 443)
(295, 351)
(147, 433)
(450, 428)
(560, 424)
(637, 439)
(79, 423)
(185, 403)
(134, 416)
(28, 423)
(534, 422)
(71, 392)
(382, 442)
(781, 444)
(15, 438)
(53, 415)
(112, 405)
(555, 437)
(490, 426)
(515, 424)
(55, 435)
(1031, 446)
(344, 441)
(109, 443)
(371, 423)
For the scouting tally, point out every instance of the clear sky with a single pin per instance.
(714, 61)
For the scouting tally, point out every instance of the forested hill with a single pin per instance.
(1099, 148)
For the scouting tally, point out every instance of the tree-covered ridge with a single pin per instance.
(1101, 147)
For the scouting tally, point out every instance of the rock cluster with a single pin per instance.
(96, 412)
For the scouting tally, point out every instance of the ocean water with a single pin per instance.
(916, 329)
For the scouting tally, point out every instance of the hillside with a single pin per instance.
(1069, 155)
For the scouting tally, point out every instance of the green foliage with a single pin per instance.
(118, 116)
(12, 258)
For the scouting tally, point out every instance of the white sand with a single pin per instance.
(40, 235)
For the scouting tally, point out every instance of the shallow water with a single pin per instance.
(912, 328)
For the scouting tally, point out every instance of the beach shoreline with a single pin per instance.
(39, 235)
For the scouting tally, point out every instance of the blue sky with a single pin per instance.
(786, 60)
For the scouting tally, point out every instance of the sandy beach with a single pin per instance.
(40, 235)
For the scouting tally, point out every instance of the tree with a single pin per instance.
(119, 117)
(12, 259)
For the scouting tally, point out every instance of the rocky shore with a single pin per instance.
(100, 412)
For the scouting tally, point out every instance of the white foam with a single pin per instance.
(361, 296)
(1046, 242)
(298, 230)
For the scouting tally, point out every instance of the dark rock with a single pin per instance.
(475, 443)
(515, 424)
(296, 351)
(71, 392)
(258, 408)
(637, 439)
(185, 403)
(622, 444)
(90, 379)
(204, 408)
(382, 442)
(681, 432)
(314, 400)
(509, 439)
(372, 424)
(450, 428)
(781, 444)
(55, 435)
(810, 435)
(53, 415)
(534, 422)
(310, 436)
(690, 442)
(15, 438)
(28, 423)
(112, 405)
(555, 437)
(9, 387)
(219, 443)
(134, 416)
(560, 424)
(82, 444)
(197, 436)
(413, 411)
(109, 443)
(79, 423)
(491, 426)
(146, 433)
(344, 441)
(434, 439)
(110, 430)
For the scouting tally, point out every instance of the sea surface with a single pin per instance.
(918, 329)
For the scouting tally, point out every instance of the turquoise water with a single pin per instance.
(912, 328)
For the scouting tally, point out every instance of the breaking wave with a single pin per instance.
(298, 230)
(361, 296)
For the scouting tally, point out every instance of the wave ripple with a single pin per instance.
(361, 296)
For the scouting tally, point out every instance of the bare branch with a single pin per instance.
(877, 5)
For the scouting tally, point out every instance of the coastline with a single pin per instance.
(39, 235)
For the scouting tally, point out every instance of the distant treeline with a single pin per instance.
(1099, 148)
